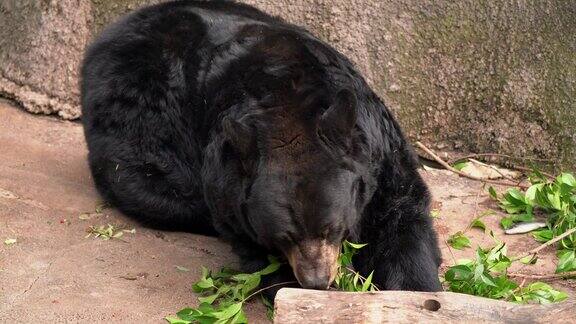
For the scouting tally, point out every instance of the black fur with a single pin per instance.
(213, 117)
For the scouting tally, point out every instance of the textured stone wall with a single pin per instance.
(469, 75)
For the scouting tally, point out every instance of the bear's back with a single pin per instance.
(161, 57)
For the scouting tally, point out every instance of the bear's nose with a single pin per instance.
(314, 281)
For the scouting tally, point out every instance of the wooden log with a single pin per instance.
(315, 306)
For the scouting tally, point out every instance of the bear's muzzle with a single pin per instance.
(314, 262)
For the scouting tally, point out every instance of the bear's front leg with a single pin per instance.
(402, 247)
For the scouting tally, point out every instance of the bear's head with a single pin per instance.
(293, 179)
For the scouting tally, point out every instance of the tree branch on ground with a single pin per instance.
(452, 169)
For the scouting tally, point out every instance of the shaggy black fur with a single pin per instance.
(213, 117)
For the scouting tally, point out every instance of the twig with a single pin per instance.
(493, 168)
(522, 283)
(450, 168)
(361, 277)
(520, 286)
(450, 250)
(476, 207)
(521, 168)
(271, 286)
(476, 155)
(561, 275)
(539, 248)
(507, 163)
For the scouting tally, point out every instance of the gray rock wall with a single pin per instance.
(469, 75)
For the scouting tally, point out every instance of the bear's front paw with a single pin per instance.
(415, 275)
(276, 281)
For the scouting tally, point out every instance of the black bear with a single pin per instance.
(216, 118)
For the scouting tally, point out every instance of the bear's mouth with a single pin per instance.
(314, 263)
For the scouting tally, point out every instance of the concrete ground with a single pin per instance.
(53, 273)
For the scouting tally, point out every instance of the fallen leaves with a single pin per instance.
(10, 241)
(107, 232)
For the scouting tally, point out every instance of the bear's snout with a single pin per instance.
(314, 263)
(314, 279)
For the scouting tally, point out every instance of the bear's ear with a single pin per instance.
(339, 120)
(239, 134)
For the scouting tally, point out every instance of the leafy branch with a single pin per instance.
(487, 276)
(556, 199)
(347, 278)
(224, 293)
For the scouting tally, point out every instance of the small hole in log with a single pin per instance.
(432, 305)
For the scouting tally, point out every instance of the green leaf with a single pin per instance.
(486, 279)
(459, 241)
(530, 259)
(181, 268)
(250, 284)
(531, 192)
(269, 308)
(203, 308)
(481, 277)
(173, 320)
(460, 165)
(100, 206)
(477, 223)
(186, 314)
(466, 262)
(493, 193)
(515, 197)
(435, 213)
(345, 259)
(203, 284)
(568, 179)
(506, 222)
(270, 268)
(543, 235)
(244, 276)
(356, 246)
(239, 318)
(209, 299)
(205, 272)
(458, 272)
(228, 312)
(555, 201)
(355, 280)
(368, 282)
(348, 250)
(500, 266)
(566, 261)
(542, 293)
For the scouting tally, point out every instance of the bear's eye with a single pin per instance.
(334, 233)
(325, 233)
(285, 240)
